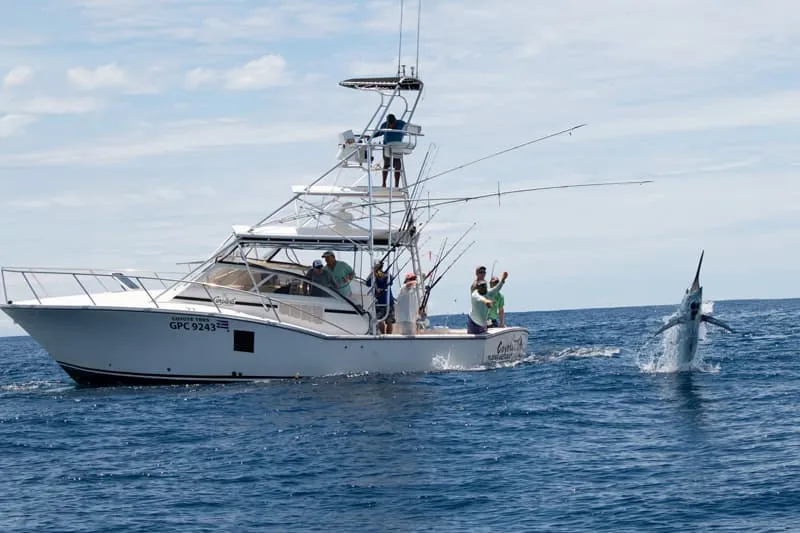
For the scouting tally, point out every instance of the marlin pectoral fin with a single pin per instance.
(716, 322)
(674, 322)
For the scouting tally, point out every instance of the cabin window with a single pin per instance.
(237, 277)
(276, 283)
(244, 341)
(231, 276)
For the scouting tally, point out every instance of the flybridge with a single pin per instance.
(359, 191)
(317, 238)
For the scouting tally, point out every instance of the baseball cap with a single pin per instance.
(317, 263)
(328, 253)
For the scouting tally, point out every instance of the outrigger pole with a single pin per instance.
(437, 202)
(501, 152)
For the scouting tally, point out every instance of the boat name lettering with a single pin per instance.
(196, 323)
(507, 350)
(224, 300)
(193, 326)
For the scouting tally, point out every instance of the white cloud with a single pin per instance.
(107, 76)
(266, 71)
(173, 138)
(199, 76)
(45, 105)
(700, 115)
(113, 200)
(14, 124)
(18, 76)
(218, 22)
(112, 76)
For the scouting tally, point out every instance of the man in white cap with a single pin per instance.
(320, 277)
(407, 306)
(341, 273)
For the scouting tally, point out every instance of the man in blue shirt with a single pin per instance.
(391, 137)
(384, 299)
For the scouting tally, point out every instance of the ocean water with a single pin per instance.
(593, 432)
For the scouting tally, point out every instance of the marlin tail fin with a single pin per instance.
(716, 322)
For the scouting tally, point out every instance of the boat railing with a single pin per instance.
(410, 131)
(125, 281)
(360, 149)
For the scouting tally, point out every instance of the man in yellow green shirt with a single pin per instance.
(497, 314)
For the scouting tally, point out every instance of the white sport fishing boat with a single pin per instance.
(249, 312)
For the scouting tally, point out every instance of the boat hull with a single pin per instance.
(109, 346)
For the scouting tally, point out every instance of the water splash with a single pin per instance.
(444, 362)
(659, 355)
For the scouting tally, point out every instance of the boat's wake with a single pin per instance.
(35, 386)
(443, 363)
(583, 352)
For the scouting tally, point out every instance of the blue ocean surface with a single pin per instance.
(592, 432)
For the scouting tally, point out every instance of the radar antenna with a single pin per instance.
(401, 71)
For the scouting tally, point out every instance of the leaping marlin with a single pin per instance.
(689, 318)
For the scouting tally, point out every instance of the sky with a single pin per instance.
(134, 133)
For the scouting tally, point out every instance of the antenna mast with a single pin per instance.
(419, 17)
(400, 40)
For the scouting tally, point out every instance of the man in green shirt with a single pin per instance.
(341, 273)
(497, 315)
(478, 319)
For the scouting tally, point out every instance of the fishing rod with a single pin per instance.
(504, 151)
(413, 201)
(425, 170)
(438, 202)
(408, 221)
(398, 244)
(442, 258)
(428, 288)
(402, 267)
(440, 255)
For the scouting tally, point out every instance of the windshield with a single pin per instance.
(237, 277)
